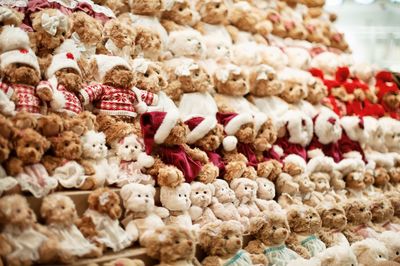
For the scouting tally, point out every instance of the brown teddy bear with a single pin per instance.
(50, 29)
(100, 222)
(181, 12)
(270, 230)
(172, 245)
(317, 91)
(294, 86)
(146, 7)
(382, 214)
(305, 223)
(118, 39)
(24, 241)
(212, 12)
(25, 163)
(394, 197)
(278, 26)
(359, 217)
(334, 221)
(316, 31)
(86, 32)
(60, 215)
(222, 243)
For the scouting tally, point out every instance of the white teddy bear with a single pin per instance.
(246, 192)
(94, 151)
(201, 197)
(177, 201)
(142, 217)
(186, 43)
(370, 252)
(129, 156)
(338, 256)
(265, 195)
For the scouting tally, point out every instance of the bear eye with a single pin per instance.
(63, 207)
(380, 256)
(273, 228)
(205, 192)
(94, 145)
(139, 196)
(234, 79)
(185, 195)
(361, 209)
(126, 146)
(146, 75)
(196, 74)
(136, 146)
(188, 39)
(180, 195)
(334, 214)
(147, 196)
(217, 5)
(226, 237)
(177, 241)
(245, 188)
(397, 253)
(311, 216)
(27, 145)
(18, 210)
(181, 9)
(66, 143)
(197, 192)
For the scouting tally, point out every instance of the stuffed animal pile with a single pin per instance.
(194, 122)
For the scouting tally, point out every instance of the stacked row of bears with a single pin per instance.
(246, 115)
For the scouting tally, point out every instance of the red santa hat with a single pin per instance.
(199, 126)
(156, 126)
(22, 56)
(13, 38)
(342, 74)
(107, 62)
(232, 123)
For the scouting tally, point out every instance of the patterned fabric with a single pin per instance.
(313, 245)
(149, 98)
(36, 180)
(280, 255)
(114, 101)
(241, 258)
(25, 97)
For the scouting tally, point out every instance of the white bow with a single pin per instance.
(140, 65)
(5, 13)
(123, 52)
(51, 23)
(104, 198)
(87, 51)
(262, 76)
(184, 69)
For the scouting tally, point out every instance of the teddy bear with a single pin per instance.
(181, 12)
(201, 198)
(271, 230)
(142, 217)
(212, 12)
(382, 214)
(113, 94)
(355, 177)
(316, 31)
(50, 29)
(86, 32)
(177, 201)
(337, 256)
(166, 134)
(266, 194)
(151, 37)
(359, 217)
(125, 262)
(64, 162)
(334, 221)
(222, 243)
(353, 135)
(391, 243)
(370, 252)
(387, 92)
(20, 71)
(172, 245)
(20, 224)
(127, 159)
(287, 187)
(246, 192)
(60, 215)
(305, 223)
(10, 16)
(317, 91)
(118, 39)
(100, 223)
(225, 204)
(337, 40)
(393, 196)
(26, 163)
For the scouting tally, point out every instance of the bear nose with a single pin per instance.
(238, 242)
(146, 200)
(190, 243)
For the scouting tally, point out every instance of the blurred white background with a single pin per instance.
(372, 29)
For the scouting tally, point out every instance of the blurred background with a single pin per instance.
(372, 29)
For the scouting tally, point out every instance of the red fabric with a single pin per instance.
(384, 76)
(25, 97)
(331, 150)
(193, 122)
(337, 106)
(178, 157)
(39, 5)
(342, 74)
(216, 159)
(271, 154)
(348, 145)
(224, 118)
(291, 148)
(247, 151)
(85, 7)
(316, 72)
(148, 98)
(150, 122)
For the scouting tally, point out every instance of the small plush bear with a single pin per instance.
(177, 201)
(10, 16)
(225, 204)
(50, 29)
(186, 42)
(271, 230)
(212, 11)
(100, 222)
(20, 225)
(305, 223)
(382, 213)
(371, 252)
(338, 256)
(359, 217)
(181, 12)
(392, 244)
(201, 198)
(142, 217)
(222, 243)
(294, 85)
(246, 192)
(26, 163)
(60, 215)
(334, 221)
(172, 245)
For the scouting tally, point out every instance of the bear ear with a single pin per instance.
(126, 191)
(256, 223)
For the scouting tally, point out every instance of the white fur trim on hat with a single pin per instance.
(297, 160)
(22, 56)
(229, 143)
(62, 61)
(320, 164)
(299, 135)
(325, 135)
(106, 62)
(347, 166)
(235, 123)
(166, 126)
(201, 129)
(13, 38)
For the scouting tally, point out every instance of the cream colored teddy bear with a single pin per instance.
(201, 197)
